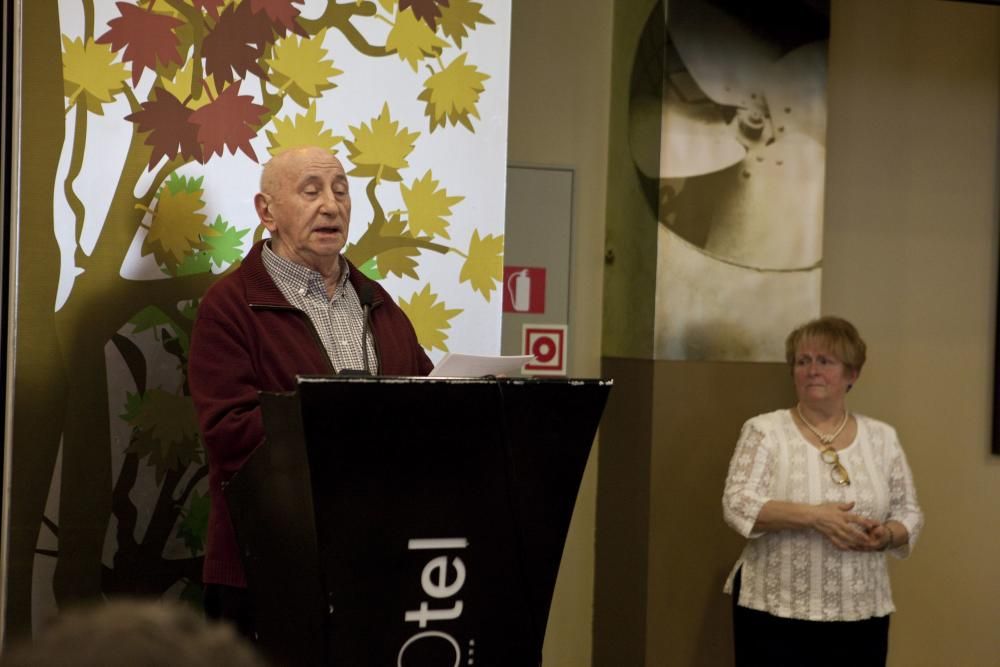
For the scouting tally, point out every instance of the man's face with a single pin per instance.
(307, 207)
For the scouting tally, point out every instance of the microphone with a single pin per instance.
(366, 297)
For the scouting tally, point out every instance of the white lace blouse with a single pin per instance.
(799, 573)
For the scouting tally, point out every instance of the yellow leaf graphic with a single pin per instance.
(452, 94)
(398, 260)
(429, 317)
(304, 130)
(300, 68)
(412, 39)
(166, 432)
(458, 16)
(170, 418)
(427, 207)
(387, 5)
(180, 87)
(380, 151)
(90, 74)
(484, 265)
(176, 226)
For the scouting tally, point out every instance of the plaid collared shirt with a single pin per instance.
(338, 321)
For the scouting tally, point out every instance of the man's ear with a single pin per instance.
(262, 203)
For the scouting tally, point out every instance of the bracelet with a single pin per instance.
(892, 538)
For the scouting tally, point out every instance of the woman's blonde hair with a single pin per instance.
(837, 334)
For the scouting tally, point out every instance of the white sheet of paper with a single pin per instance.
(454, 364)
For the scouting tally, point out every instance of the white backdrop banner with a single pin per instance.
(169, 108)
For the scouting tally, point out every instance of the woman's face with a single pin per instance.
(819, 376)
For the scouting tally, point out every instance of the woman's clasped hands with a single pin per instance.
(847, 530)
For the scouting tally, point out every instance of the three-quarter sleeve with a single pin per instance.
(748, 482)
(903, 505)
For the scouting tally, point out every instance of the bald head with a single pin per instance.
(288, 161)
(305, 203)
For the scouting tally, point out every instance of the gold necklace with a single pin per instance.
(825, 438)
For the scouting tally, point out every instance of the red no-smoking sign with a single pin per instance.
(547, 343)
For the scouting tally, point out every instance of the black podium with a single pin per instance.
(412, 522)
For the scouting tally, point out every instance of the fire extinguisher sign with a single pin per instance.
(523, 289)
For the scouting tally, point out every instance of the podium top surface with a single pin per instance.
(404, 379)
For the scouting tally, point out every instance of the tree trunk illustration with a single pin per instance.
(40, 378)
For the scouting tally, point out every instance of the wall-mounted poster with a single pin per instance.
(741, 177)
(144, 124)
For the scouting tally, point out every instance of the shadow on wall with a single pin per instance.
(714, 643)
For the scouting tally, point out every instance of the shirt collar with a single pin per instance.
(294, 275)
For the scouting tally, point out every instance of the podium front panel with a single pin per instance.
(441, 509)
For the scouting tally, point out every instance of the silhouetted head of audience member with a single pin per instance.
(128, 632)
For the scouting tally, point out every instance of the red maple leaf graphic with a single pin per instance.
(146, 36)
(427, 10)
(231, 121)
(281, 14)
(210, 6)
(236, 43)
(169, 125)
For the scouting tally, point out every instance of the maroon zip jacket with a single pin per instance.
(247, 338)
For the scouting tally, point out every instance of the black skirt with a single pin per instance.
(764, 640)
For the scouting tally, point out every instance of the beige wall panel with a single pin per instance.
(911, 257)
(559, 100)
(697, 411)
(630, 225)
(911, 249)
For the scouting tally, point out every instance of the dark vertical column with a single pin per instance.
(623, 490)
(623, 495)
(39, 394)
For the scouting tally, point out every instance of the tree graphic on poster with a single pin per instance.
(205, 56)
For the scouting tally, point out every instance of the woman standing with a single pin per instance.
(822, 494)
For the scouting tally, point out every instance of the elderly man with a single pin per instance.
(294, 306)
